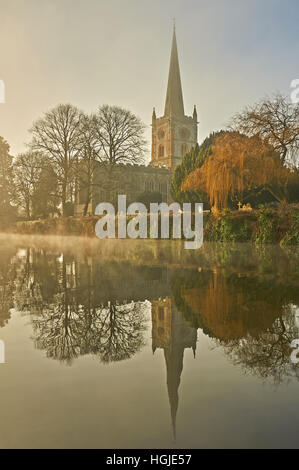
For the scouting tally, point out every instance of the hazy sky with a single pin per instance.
(91, 52)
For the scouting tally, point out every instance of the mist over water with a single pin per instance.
(123, 343)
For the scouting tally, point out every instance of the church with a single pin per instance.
(173, 135)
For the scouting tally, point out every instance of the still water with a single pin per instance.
(142, 344)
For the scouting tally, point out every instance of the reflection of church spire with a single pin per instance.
(174, 367)
(173, 334)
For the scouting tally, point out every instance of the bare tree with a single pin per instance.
(6, 174)
(276, 121)
(27, 169)
(111, 136)
(120, 136)
(46, 194)
(57, 135)
(89, 154)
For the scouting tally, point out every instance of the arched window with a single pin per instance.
(184, 149)
(160, 331)
(149, 185)
(161, 313)
(164, 191)
(161, 150)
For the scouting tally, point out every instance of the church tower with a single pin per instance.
(173, 134)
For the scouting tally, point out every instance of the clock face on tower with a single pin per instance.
(184, 133)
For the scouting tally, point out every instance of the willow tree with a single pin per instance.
(237, 164)
(192, 160)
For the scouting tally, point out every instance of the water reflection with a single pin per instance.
(7, 288)
(251, 316)
(69, 315)
(173, 334)
(94, 301)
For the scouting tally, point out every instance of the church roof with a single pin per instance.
(174, 105)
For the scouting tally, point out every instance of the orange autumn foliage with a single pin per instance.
(237, 163)
(228, 313)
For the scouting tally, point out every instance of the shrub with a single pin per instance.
(292, 235)
(267, 226)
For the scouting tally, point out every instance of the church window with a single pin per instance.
(161, 313)
(184, 149)
(149, 185)
(184, 133)
(161, 133)
(160, 331)
(161, 150)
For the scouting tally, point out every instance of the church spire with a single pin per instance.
(174, 105)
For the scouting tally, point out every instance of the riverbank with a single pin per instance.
(265, 225)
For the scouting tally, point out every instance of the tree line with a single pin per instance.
(254, 160)
(65, 144)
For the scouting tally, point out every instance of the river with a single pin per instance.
(143, 344)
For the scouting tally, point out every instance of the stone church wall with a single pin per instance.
(131, 180)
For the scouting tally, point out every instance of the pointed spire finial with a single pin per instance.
(174, 104)
(195, 113)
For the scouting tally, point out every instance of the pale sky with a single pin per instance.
(93, 52)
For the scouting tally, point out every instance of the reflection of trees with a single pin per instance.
(79, 303)
(117, 331)
(57, 330)
(250, 316)
(36, 280)
(68, 319)
(113, 332)
(7, 273)
(268, 354)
